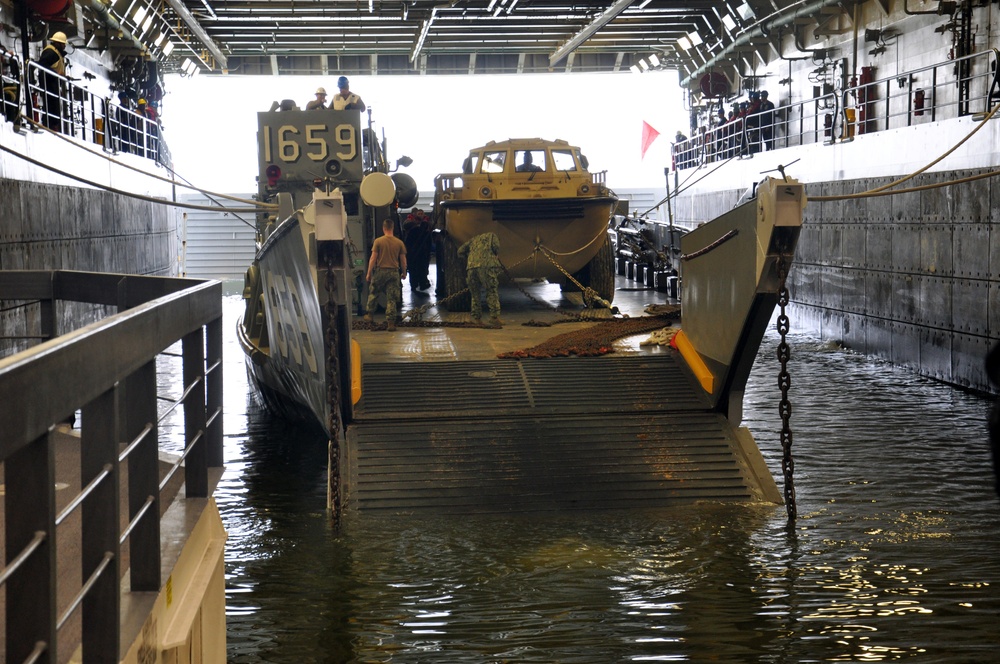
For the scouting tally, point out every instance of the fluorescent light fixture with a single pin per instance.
(745, 11)
(197, 70)
(643, 64)
(140, 13)
(694, 38)
(635, 69)
(654, 60)
(159, 40)
(186, 64)
(729, 22)
(684, 43)
(168, 48)
(146, 25)
(643, 4)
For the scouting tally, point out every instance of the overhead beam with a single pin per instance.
(199, 32)
(585, 34)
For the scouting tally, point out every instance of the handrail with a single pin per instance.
(829, 118)
(63, 105)
(108, 369)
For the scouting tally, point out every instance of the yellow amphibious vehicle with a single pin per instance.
(550, 213)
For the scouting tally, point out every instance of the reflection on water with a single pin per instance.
(894, 555)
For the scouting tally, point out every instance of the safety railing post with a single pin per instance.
(99, 438)
(29, 475)
(196, 463)
(143, 477)
(214, 393)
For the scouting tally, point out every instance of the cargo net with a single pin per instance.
(598, 339)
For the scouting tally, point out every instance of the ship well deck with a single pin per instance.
(444, 425)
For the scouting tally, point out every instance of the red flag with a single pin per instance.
(648, 136)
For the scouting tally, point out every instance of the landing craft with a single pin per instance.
(322, 170)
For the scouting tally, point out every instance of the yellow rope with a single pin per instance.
(882, 191)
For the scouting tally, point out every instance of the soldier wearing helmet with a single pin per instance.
(52, 67)
(319, 103)
(345, 100)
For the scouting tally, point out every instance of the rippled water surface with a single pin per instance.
(895, 554)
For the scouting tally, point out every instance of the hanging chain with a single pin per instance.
(333, 389)
(784, 382)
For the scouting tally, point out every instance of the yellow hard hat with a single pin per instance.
(59, 37)
(142, 101)
(321, 91)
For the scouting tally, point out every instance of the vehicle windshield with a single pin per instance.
(563, 160)
(530, 161)
(493, 162)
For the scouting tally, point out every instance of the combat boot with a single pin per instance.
(390, 325)
(368, 318)
(496, 322)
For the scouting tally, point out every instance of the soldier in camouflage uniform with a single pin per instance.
(385, 271)
(483, 271)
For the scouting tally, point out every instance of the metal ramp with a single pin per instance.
(536, 435)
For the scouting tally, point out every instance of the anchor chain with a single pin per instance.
(784, 383)
(333, 389)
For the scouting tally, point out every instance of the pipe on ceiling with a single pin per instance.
(104, 16)
(199, 32)
(744, 39)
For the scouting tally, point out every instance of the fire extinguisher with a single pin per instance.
(918, 101)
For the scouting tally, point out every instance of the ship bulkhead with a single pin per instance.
(874, 117)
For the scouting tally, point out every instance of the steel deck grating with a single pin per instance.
(554, 385)
(482, 465)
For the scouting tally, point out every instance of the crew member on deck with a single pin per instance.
(385, 272)
(483, 272)
(319, 103)
(52, 59)
(345, 100)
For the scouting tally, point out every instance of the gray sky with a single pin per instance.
(210, 121)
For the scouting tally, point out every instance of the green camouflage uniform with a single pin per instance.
(386, 279)
(483, 271)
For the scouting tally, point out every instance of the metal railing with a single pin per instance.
(956, 88)
(108, 370)
(63, 105)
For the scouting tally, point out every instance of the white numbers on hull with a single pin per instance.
(289, 142)
(289, 322)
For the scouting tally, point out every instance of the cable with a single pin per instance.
(151, 199)
(881, 191)
(139, 170)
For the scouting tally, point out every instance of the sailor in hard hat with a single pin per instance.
(52, 59)
(319, 102)
(345, 100)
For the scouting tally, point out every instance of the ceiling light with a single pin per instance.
(635, 69)
(146, 25)
(729, 22)
(643, 64)
(654, 60)
(168, 48)
(745, 12)
(694, 38)
(140, 13)
(684, 43)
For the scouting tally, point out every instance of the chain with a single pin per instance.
(784, 382)
(333, 388)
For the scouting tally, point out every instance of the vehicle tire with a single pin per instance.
(599, 273)
(453, 268)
